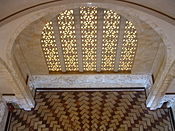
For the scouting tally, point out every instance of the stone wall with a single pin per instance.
(3, 114)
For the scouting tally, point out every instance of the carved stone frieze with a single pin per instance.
(90, 81)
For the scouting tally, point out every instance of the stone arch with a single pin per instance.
(29, 18)
(170, 99)
(9, 85)
(168, 79)
(5, 79)
(162, 27)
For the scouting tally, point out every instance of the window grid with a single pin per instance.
(68, 39)
(128, 48)
(88, 16)
(49, 48)
(110, 38)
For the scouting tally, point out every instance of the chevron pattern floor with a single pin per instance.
(90, 111)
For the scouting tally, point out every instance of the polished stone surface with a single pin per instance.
(91, 111)
(90, 81)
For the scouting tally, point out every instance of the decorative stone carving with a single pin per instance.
(19, 102)
(90, 81)
(170, 99)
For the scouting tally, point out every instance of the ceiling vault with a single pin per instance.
(89, 39)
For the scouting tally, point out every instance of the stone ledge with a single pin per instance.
(90, 81)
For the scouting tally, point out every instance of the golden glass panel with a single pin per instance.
(128, 48)
(89, 28)
(49, 48)
(110, 36)
(88, 16)
(68, 39)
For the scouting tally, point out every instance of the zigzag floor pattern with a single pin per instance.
(90, 111)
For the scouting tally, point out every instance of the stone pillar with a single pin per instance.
(14, 83)
(157, 96)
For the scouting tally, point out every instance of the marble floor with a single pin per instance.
(91, 111)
